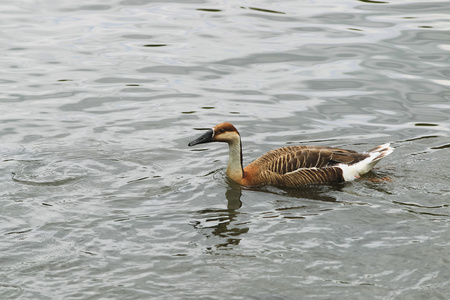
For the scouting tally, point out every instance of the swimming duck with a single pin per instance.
(293, 166)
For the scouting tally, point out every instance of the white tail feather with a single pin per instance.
(351, 172)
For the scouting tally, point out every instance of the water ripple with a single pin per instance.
(101, 195)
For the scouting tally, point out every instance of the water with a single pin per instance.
(102, 199)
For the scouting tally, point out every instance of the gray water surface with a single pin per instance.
(102, 199)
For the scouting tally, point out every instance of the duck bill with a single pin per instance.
(206, 138)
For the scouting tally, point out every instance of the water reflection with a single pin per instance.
(312, 192)
(223, 223)
(225, 228)
(233, 196)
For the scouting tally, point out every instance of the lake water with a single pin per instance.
(102, 199)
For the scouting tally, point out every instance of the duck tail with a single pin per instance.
(351, 172)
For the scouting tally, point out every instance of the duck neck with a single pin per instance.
(234, 167)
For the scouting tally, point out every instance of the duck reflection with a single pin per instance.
(225, 228)
(313, 192)
(224, 224)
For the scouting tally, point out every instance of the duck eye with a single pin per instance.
(221, 130)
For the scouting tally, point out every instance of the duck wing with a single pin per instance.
(301, 165)
(290, 159)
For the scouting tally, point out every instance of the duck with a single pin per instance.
(293, 166)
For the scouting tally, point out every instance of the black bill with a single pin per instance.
(206, 138)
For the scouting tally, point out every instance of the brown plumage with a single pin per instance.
(301, 165)
(293, 166)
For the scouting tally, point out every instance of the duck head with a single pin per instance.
(224, 132)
